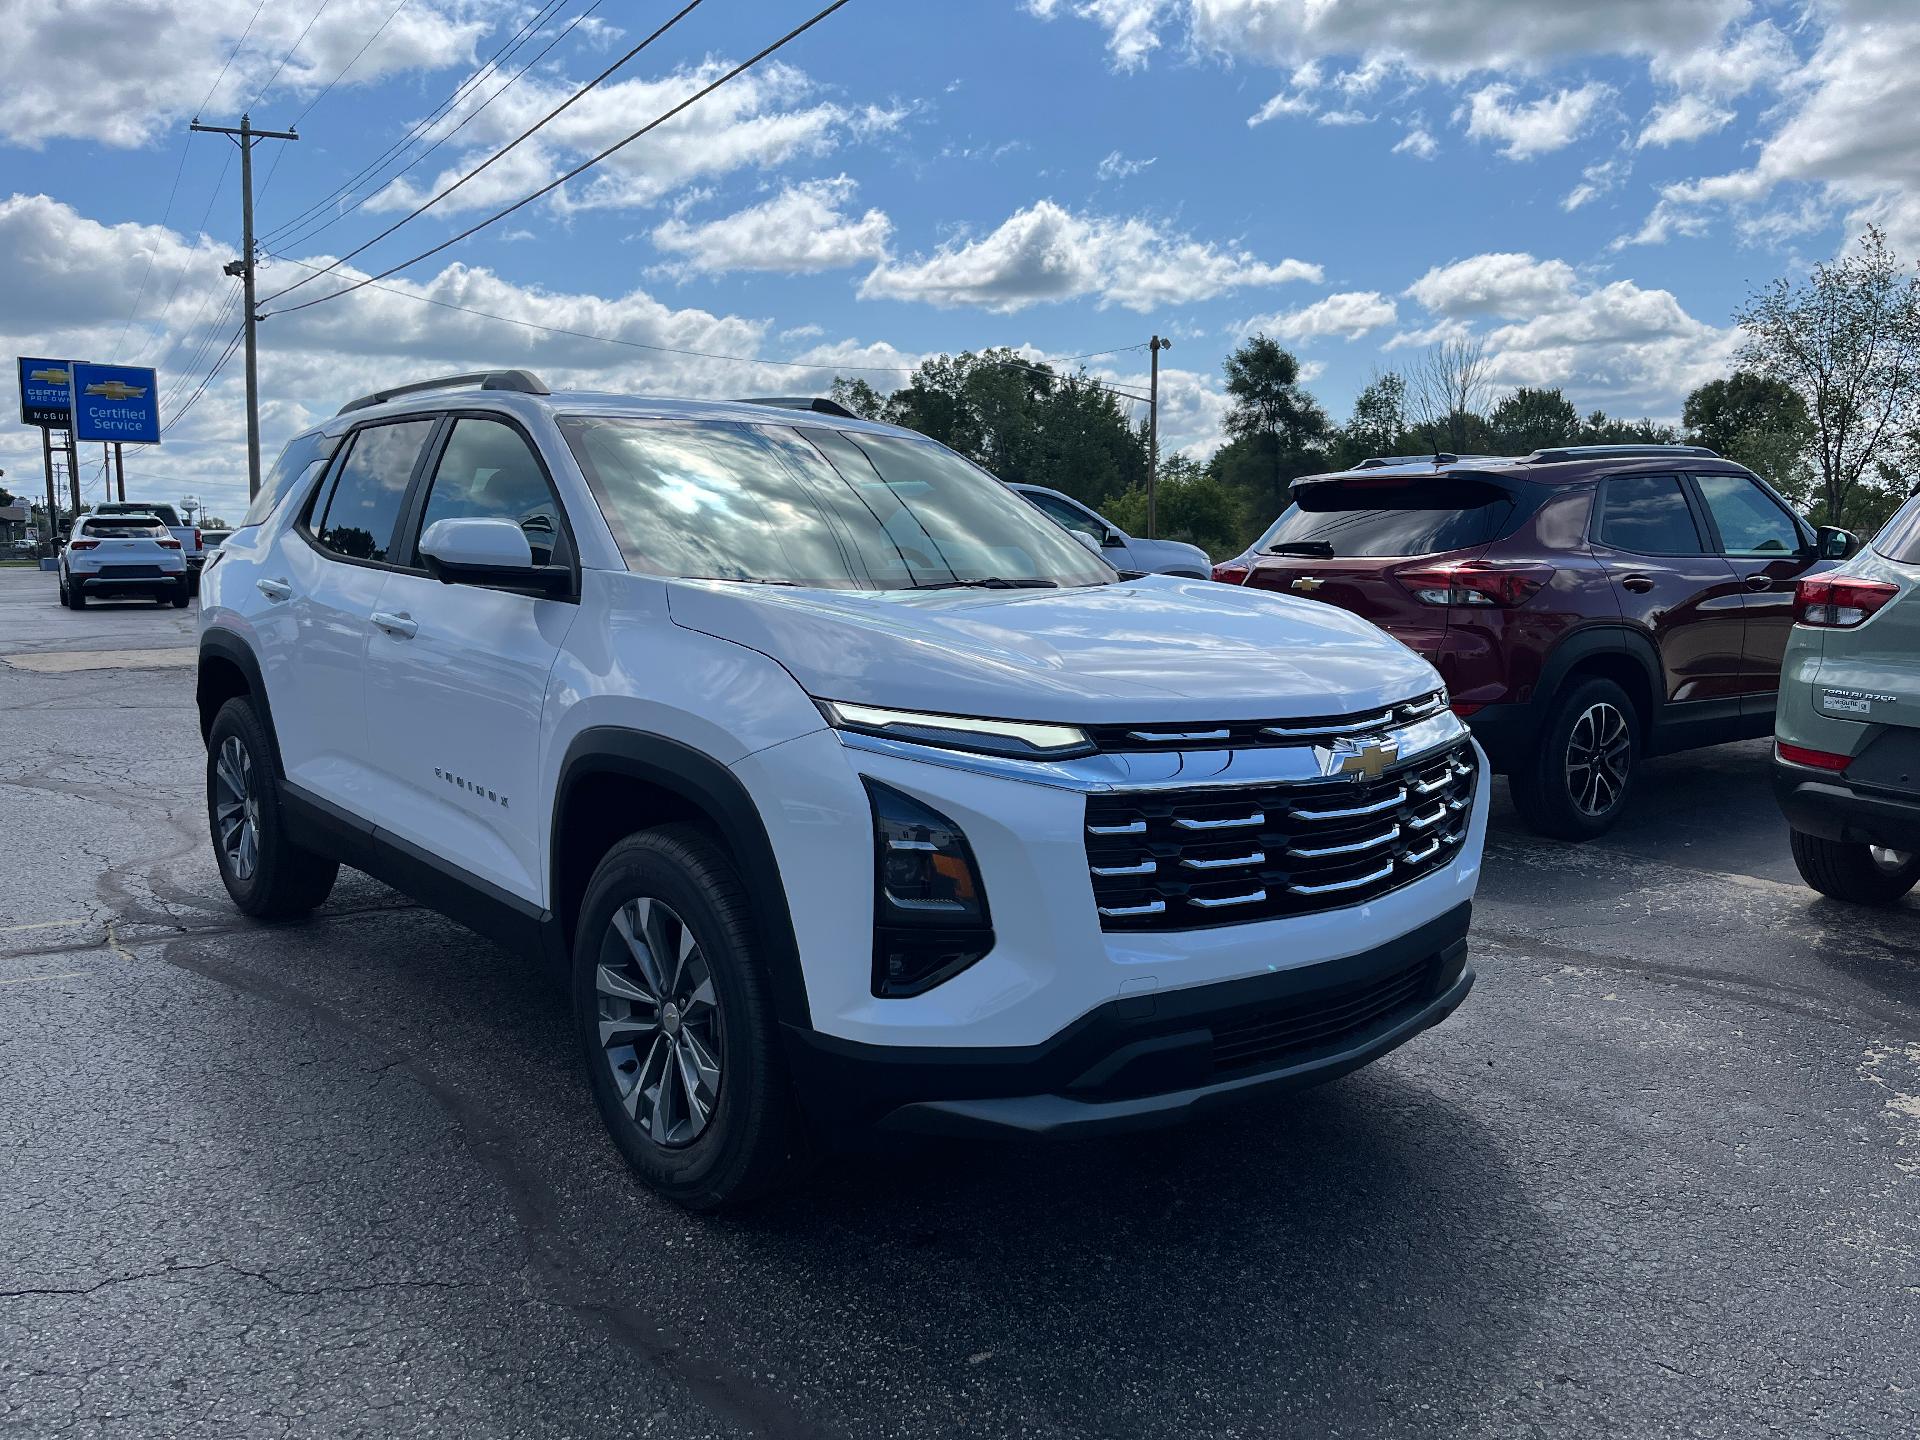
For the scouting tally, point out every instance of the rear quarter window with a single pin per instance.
(301, 452)
(1424, 515)
(1899, 538)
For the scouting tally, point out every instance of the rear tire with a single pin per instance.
(65, 598)
(76, 597)
(1854, 872)
(267, 875)
(181, 596)
(677, 1023)
(1576, 783)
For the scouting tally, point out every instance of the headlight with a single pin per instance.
(930, 918)
(1020, 739)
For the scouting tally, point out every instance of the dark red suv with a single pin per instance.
(1586, 606)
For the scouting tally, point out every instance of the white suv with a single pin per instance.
(845, 788)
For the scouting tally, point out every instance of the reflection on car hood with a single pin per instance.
(1149, 649)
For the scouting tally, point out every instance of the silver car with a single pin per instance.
(1122, 551)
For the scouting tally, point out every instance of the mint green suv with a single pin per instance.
(1847, 730)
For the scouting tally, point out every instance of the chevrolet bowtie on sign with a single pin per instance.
(46, 391)
(115, 402)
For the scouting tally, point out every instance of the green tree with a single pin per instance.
(859, 397)
(1761, 422)
(1190, 505)
(1379, 424)
(1529, 420)
(1273, 416)
(1847, 340)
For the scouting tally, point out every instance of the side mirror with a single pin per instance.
(1830, 542)
(492, 553)
(1113, 537)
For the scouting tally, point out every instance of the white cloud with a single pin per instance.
(764, 119)
(1851, 131)
(1759, 55)
(1285, 103)
(1348, 315)
(1681, 120)
(1118, 167)
(1417, 142)
(1449, 41)
(1344, 117)
(799, 230)
(1504, 284)
(1596, 180)
(72, 287)
(118, 72)
(1549, 123)
(1046, 253)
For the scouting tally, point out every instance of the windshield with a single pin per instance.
(794, 505)
(1390, 517)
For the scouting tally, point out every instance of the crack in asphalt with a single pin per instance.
(264, 1277)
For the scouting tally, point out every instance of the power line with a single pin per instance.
(419, 127)
(460, 125)
(218, 365)
(147, 270)
(327, 89)
(712, 355)
(501, 153)
(233, 53)
(588, 164)
(261, 93)
(186, 264)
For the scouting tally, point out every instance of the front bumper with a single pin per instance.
(1826, 806)
(1143, 1061)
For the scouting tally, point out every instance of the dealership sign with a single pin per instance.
(115, 402)
(46, 391)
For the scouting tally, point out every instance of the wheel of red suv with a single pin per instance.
(1576, 783)
(267, 875)
(677, 1024)
(1864, 874)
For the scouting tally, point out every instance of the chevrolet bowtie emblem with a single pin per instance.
(1306, 584)
(117, 390)
(1363, 757)
(50, 377)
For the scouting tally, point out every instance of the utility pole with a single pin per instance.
(119, 470)
(53, 507)
(246, 137)
(1153, 433)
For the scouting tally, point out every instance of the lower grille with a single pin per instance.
(1267, 1037)
(1183, 859)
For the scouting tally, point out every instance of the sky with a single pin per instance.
(1590, 188)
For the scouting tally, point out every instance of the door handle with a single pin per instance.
(1759, 582)
(402, 626)
(1638, 584)
(274, 589)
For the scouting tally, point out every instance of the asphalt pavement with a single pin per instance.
(1659, 1176)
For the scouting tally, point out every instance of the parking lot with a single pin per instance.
(1660, 1175)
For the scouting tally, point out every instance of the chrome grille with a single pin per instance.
(1182, 859)
(1251, 734)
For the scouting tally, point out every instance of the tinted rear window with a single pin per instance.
(301, 452)
(1899, 538)
(165, 514)
(1415, 516)
(1649, 515)
(128, 529)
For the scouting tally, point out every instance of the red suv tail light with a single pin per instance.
(1231, 573)
(1472, 582)
(1836, 602)
(83, 544)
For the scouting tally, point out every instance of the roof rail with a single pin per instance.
(818, 404)
(1602, 452)
(1432, 457)
(523, 381)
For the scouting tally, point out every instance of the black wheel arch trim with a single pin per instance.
(1601, 639)
(716, 791)
(226, 646)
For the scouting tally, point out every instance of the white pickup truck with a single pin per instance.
(187, 535)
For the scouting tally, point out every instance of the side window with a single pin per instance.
(1648, 514)
(357, 516)
(1751, 525)
(301, 452)
(1070, 516)
(487, 472)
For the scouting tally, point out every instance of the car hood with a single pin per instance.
(1152, 649)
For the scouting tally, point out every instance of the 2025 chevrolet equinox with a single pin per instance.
(846, 789)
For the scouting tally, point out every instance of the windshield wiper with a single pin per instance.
(747, 580)
(1323, 549)
(990, 582)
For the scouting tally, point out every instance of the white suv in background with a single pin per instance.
(845, 788)
(122, 556)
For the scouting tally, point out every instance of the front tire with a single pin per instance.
(1575, 785)
(1862, 874)
(677, 1024)
(267, 875)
